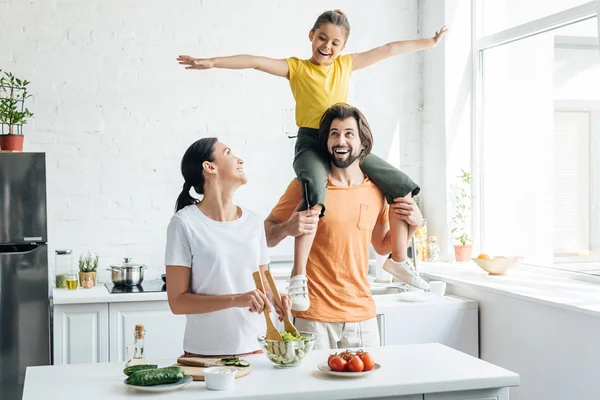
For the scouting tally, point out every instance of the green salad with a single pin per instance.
(296, 348)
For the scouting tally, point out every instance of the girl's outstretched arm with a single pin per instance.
(278, 67)
(368, 58)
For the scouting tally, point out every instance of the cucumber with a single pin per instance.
(133, 368)
(151, 377)
(242, 363)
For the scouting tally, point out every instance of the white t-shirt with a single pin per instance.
(222, 256)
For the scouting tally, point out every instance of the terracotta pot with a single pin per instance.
(11, 142)
(463, 253)
(83, 275)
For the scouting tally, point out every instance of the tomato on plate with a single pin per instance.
(330, 357)
(355, 364)
(337, 364)
(367, 360)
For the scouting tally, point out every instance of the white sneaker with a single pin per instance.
(298, 290)
(406, 272)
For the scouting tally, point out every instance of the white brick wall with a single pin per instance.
(115, 112)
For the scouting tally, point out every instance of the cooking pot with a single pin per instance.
(127, 273)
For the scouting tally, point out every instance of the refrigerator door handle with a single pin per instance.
(17, 248)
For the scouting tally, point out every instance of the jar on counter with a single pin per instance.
(433, 249)
(421, 241)
(63, 265)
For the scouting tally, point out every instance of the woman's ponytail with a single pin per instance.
(185, 198)
(192, 170)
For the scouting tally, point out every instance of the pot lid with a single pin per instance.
(127, 263)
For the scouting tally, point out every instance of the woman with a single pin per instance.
(213, 247)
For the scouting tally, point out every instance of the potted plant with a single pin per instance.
(463, 247)
(13, 114)
(87, 268)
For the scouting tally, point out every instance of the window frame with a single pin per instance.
(480, 43)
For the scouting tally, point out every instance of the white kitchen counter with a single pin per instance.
(523, 284)
(405, 370)
(99, 294)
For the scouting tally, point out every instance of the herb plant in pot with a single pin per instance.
(13, 114)
(87, 268)
(463, 246)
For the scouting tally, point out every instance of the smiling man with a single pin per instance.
(342, 311)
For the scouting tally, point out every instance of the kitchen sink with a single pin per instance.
(378, 291)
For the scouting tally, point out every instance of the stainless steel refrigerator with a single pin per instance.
(24, 304)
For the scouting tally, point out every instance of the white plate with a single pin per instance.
(325, 368)
(167, 387)
(419, 297)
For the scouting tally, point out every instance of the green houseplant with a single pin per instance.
(460, 232)
(88, 265)
(13, 114)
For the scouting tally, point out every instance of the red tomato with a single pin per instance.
(330, 357)
(367, 360)
(347, 355)
(355, 365)
(337, 364)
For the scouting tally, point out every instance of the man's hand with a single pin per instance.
(303, 222)
(407, 210)
(195, 63)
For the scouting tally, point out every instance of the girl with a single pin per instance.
(213, 247)
(317, 84)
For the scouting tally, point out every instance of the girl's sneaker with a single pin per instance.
(298, 290)
(406, 272)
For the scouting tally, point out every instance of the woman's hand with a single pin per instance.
(439, 35)
(407, 210)
(195, 63)
(255, 300)
(286, 311)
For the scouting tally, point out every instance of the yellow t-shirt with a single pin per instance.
(338, 262)
(316, 88)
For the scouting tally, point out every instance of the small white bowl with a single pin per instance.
(497, 265)
(219, 378)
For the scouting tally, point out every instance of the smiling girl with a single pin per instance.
(317, 84)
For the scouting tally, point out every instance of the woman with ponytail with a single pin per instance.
(213, 247)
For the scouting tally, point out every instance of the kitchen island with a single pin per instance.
(421, 371)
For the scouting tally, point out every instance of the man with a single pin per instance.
(342, 311)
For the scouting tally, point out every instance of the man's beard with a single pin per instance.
(343, 163)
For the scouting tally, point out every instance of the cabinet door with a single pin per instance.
(456, 328)
(164, 330)
(80, 333)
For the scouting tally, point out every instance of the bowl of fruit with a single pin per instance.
(496, 265)
(291, 351)
(349, 364)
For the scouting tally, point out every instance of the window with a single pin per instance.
(498, 15)
(539, 137)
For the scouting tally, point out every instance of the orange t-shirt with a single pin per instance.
(338, 262)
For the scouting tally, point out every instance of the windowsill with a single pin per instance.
(522, 283)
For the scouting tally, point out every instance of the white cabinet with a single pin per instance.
(164, 330)
(80, 333)
(483, 394)
(413, 324)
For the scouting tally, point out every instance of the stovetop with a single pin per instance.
(154, 285)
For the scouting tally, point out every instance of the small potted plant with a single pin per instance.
(87, 268)
(460, 232)
(13, 114)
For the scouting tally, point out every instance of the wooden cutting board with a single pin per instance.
(194, 367)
